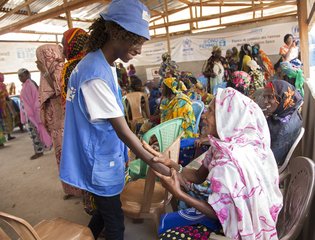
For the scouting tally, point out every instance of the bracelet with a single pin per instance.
(180, 170)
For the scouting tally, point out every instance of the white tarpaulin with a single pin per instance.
(198, 47)
(183, 49)
(14, 56)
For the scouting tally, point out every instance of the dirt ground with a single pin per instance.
(30, 189)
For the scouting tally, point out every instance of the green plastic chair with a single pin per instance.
(165, 133)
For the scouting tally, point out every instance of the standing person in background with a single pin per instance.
(94, 151)
(2, 109)
(73, 42)
(123, 75)
(215, 69)
(264, 61)
(50, 62)
(245, 57)
(131, 70)
(232, 63)
(30, 113)
(8, 113)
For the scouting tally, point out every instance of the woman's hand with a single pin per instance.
(172, 183)
(159, 157)
(199, 142)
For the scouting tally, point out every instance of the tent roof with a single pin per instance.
(46, 20)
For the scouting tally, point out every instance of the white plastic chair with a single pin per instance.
(289, 155)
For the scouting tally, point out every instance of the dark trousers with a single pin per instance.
(110, 216)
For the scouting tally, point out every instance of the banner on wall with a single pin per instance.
(183, 49)
(14, 56)
(198, 47)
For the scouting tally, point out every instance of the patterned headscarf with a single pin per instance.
(288, 98)
(166, 56)
(240, 81)
(74, 41)
(174, 85)
(168, 66)
(51, 57)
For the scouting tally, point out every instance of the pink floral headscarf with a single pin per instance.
(51, 57)
(242, 169)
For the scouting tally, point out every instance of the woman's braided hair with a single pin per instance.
(102, 31)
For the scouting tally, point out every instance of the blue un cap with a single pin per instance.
(132, 15)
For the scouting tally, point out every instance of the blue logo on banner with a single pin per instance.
(187, 48)
(211, 42)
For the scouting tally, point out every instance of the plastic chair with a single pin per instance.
(165, 133)
(283, 167)
(147, 198)
(133, 109)
(56, 229)
(297, 197)
(198, 107)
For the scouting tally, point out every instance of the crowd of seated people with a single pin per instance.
(278, 92)
(234, 153)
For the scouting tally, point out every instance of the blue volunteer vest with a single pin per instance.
(93, 157)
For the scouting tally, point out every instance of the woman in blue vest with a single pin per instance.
(96, 133)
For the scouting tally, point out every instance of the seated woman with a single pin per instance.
(240, 81)
(241, 168)
(281, 105)
(175, 104)
(200, 90)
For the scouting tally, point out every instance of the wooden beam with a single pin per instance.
(28, 8)
(36, 32)
(311, 17)
(3, 2)
(167, 30)
(75, 4)
(303, 30)
(68, 15)
(23, 13)
(225, 14)
(191, 24)
(16, 9)
(185, 1)
(278, 16)
(225, 4)
(169, 13)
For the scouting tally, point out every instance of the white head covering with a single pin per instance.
(242, 169)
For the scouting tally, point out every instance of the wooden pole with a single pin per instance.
(303, 29)
(68, 15)
(191, 24)
(167, 28)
